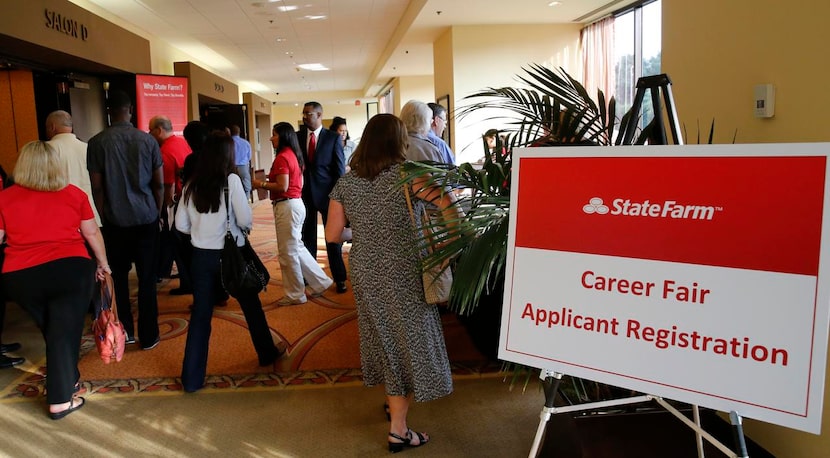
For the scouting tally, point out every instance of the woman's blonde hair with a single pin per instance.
(40, 167)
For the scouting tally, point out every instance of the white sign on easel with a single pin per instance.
(695, 273)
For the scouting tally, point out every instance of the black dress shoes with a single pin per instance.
(271, 359)
(180, 291)
(10, 347)
(9, 361)
(341, 287)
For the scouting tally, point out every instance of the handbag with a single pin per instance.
(438, 278)
(109, 333)
(242, 272)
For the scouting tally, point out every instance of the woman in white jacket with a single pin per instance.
(203, 215)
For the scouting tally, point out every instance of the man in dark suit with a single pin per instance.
(324, 165)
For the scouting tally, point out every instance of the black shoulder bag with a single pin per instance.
(242, 271)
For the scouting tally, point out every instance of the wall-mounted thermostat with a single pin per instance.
(764, 101)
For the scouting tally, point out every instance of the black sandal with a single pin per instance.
(396, 447)
(74, 404)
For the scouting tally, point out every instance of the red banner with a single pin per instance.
(161, 95)
(757, 213)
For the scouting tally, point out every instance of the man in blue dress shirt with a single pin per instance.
(242, 158)
(436, 129)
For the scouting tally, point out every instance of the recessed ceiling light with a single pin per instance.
(281, 39)
(286, 9)
(315, 67)
(554, 3)
(314, 18)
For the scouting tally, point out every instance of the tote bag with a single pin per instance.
(437, 279)
(242, 272)
(109, 333)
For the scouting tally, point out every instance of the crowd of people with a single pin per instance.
(146, 199)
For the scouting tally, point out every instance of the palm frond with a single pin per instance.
(551, 108)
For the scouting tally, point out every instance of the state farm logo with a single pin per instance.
(595, 205)
(647, 208)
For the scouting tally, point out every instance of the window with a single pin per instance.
(637, 53)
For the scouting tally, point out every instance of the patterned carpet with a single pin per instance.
(320, 339)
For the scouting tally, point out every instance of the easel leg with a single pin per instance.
(738, 434)
(550, 382)
(698, 437)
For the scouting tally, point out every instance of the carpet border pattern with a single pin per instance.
(33, 385)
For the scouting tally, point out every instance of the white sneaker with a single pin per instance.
(288, 301)
(322, 291)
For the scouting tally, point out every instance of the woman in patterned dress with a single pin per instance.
(401, 338)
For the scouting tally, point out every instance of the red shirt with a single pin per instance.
(285, 163)
(173, 152)
(42, 226)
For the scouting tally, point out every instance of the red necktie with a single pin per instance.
(312, 147)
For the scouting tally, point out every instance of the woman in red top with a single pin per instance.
(47, 271)
(285, 181)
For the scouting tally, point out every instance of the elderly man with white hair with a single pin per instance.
(417, 116)
(72, 152)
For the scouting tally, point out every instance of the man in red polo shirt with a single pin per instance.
(174, 150)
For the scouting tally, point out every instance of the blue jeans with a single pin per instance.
(207, 291)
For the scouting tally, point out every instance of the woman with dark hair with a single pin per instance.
(203, 214)
(338, 125)
(285, 182)
(401, 338)
(47, 269)
(195, 134)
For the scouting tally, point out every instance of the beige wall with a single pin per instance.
(92, 37)
(207, 84)
(163, 57)
(442, 64)
(259, 117)
(749, 42)
(289, 113)
(355, 116)
(492, 56)
(408, 88)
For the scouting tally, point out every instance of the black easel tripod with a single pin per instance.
(658, 134)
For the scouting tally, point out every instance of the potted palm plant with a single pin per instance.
(551, 109)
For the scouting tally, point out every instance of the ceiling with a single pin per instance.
(260, 45)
